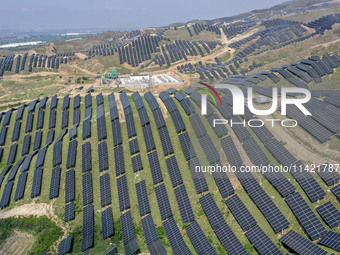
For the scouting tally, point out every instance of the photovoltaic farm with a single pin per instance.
(122, 169)
(105, 147)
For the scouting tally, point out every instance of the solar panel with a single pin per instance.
(178, 121)
(184, 205)
(143, 199)
(70, 186)
(20, 190)
(148, 138)
(86, 157)
(263, 244)
(197, 176)
(268, 208)
(280, 152)
(303, 176)
(105, 190)
(255, 152)
(20, 112)
(163, 201)
(143, 116)
(231, 151)
(116, 132)
(137, 164)
(222, 230)
(52, 120)
(199, 240)
(175, 238)
(26, 145)
(50, 137)
(88, 113)
(64, 119)
(14, 170)
(65, 245)
(87, 188)
(114, 114)
(55, 182)
(3, 135)
(155, 168)
(336, 191)
(187, 147)
(306, 216)
(66, 102)
(331, 240)
(125, 100)
(88, 227)
(209, 149)
(41, 157)
(129, 238)
(279, 182)
(72, 154)
(107, 223)
(54, 102)
(151, 100)
(40, 121)
(159, 119)
(123, 193)
(301, 245)
(12, 154)
(103, 156)
(7, 118)
(134, 147)
(37, 140)
(119, 160)
(101, 128)
(166, 141)
(16, 131)
(88, 100)
(174, 172)
(328, 174)
(241, 213)
(76, 102)
(69, 212)
(86, 128)
(99, 99)
(36, 184)
(6, 195)
(29, 122)
(76, 117)
(330, 214)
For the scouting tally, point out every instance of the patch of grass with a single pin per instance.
(45, 231)
(334, 143)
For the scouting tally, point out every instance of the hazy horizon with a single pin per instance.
(117, 15)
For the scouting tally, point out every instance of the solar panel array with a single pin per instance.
(129, 238)
(262, 243)
(156, 172)
(328, 174)
(175, 238)
(222, 230)
(330, 214)
(268, 208)
(241, 213)
(65, 245)
(86, 157)
(103, 156)
(184, 205)
(87, 188)
(105, 190)
(37, 180)
(301, 245)
(55, 182)
(199, 240)
(72, 154)
(331, 240)
(123, 193)
(143, 199)
(88, 227)
(152, 240)
(107, 223)
(305, 215)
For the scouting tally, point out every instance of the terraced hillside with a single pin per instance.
(120, 169)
